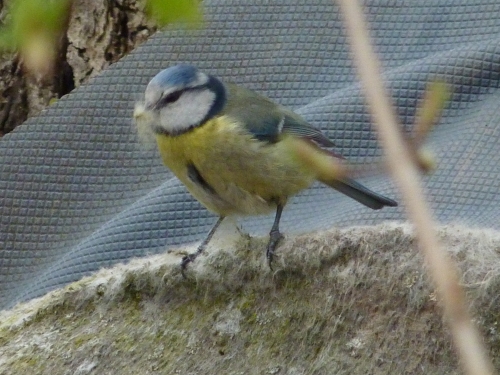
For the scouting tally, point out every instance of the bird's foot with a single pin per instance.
(274, 239)
(186, 260)
(191, 257)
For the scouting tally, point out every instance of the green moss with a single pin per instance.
(83, 338)
(26, 363)
(5, 336)
(303, 317)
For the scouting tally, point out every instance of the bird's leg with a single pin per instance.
(274, 236)
(191, 257)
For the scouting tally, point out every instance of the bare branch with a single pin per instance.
(405, 173)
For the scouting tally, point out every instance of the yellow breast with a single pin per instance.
(245, 176)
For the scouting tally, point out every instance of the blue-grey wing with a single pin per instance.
(267, 121)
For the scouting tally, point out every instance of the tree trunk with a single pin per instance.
(99, 33)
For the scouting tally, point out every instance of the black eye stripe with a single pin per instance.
(171, 98)
(174, 96)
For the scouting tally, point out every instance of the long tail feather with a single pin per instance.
(361, 193)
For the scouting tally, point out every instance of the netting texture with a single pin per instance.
(78, 191)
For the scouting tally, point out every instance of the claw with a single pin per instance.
(185, 261)
(275, 237)
(191, 257)
(274, 240)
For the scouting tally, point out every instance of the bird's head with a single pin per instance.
(180, 98)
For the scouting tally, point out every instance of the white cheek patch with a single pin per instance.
(187, 111)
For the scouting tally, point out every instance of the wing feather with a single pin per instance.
(266, 121)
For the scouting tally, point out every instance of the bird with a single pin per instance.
(236, 151)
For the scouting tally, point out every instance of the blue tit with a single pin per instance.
(236, 150)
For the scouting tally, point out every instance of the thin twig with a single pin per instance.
(442, 268)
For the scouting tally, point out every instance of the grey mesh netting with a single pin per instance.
(79, 192)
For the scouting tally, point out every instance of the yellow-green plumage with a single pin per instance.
(237, 152)
(249, 176)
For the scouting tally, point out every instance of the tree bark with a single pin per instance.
(99, 33)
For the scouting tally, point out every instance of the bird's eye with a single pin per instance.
(172, 97)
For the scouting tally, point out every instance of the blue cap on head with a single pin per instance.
(178, 75)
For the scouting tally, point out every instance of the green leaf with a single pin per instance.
(33, 17)
(165, 12)
(33, 27)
